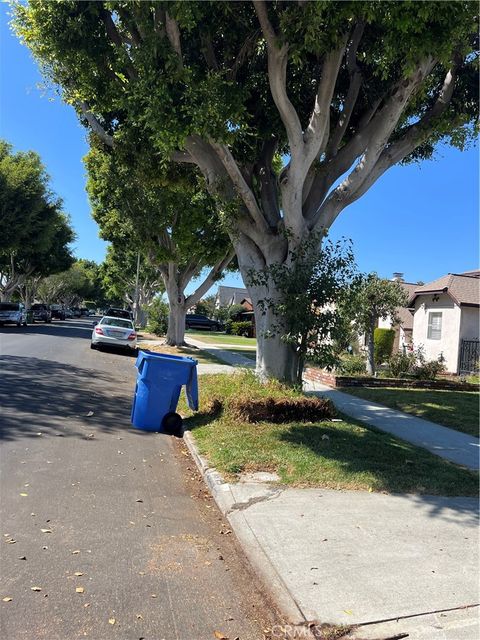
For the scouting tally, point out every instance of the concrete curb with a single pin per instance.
(259, 560)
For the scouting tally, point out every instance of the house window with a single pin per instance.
(434, 326)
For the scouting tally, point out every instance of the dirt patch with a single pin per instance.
(279, 410)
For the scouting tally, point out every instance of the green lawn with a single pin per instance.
(202, 356)
(456, 409)
(339, 455)
(216, 337)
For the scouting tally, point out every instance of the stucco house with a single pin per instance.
(446, 320)
(403, 329)
(228, 296)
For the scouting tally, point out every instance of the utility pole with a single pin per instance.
(135, 311)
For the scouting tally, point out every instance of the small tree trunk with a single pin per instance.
(371, 348)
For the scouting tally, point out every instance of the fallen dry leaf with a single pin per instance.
(139, 500)
(22, 557)
(139, 616)
(46, 530)
(24, 495)
(111, 621)
(154, 595)
(79, 590)
(74, 553)
(89, 414)
(87, 604)
(10, 541)
(78, 573)
(7, 599)
(220, 636)
(36, 588)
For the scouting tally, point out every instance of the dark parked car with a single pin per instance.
(41, 312)
(58, 311)
(197, 321)
(119, 313)
(76, 312)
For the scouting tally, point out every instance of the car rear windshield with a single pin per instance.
(117, 322)
(9, 306)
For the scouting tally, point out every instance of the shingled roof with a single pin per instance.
(463, 289)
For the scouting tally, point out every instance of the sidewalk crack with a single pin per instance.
(270, 494)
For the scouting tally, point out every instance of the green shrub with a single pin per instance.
(234, 311)
(242, 329)
(383, 340)
(429, 370)
(158, 317)
(228, 327)
(351, 365)
(401, 364)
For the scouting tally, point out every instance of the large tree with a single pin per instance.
(343, 90)
(35, 233)
(168, 218)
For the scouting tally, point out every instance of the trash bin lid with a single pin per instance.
(164, 363)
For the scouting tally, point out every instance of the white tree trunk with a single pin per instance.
(176, 321)
(371, 348)
(275, 358)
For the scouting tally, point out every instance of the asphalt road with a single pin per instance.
(107, 531)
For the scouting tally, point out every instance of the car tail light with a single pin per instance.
(99, 331)
(132, 336)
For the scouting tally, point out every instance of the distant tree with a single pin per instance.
(68, 287)
(168, 218)
(207, 306)
(376, 298)
(119, 273)
(35, 233)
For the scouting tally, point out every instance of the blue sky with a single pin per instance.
(421, 220)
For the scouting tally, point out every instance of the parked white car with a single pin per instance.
(13, 313)
(114, 332)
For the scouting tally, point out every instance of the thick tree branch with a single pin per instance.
(277, 77)
(95, 125)
(356, 80)
(215, 271)
(240, 183)
(368, 144)
(396, 151)
(173, 35)
(268, 183)
(319, 125)
(116, 38)
(182, 156)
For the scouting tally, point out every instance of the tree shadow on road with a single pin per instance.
(60, 399)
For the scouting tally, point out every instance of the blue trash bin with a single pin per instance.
(160, 379)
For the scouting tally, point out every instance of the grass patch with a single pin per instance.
(337, 455)
(458, 410)
(215, 337)
(193, 352)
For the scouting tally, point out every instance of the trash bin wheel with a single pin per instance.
(172, 424)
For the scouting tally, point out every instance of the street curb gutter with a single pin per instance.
(224, 499)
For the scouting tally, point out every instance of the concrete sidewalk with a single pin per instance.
(389, 563)
(452, 445)
(231, 358)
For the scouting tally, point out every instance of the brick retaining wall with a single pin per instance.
(332, 380)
